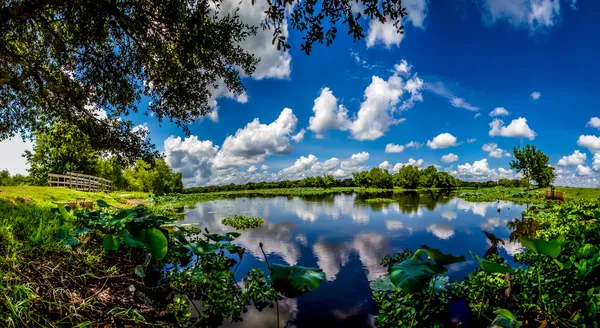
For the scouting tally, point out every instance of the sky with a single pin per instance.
(467, 81)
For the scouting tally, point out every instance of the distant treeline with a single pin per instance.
(408, 177)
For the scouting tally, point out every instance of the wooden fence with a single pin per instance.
(78, 181)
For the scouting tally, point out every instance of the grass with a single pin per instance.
(380, 200)
(47, 195)
(520, 195)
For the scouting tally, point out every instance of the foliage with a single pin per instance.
(242, 222)
(156, 177)
(64, 60)
(533, 164)
(293, 281)
(16, 180)
(380, 200)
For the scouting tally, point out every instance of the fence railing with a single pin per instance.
(78, 181)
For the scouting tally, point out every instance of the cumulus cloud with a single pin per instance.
(584, 171)
(442, 231)
(499, 111)
(299, 136)
(253, 143)
(528, 14)
(449, 158)
(328, 115)
(443, 140)
(190, 156)
(220, 90)
(385, 165)
(411, 162)
(594, 122)
(478, 171)
(494, 151)
(393, 148)
(577, 158)
(596, 163)
(518, 128)
(386, 33)
(536, 95)
(381, 99)
(302, 164)
(414, 144)
(590, 142)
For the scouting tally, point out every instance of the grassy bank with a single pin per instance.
(521, 195)
(47, 195)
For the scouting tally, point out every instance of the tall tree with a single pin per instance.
(63, 60)
(533, 164)
(60, 148)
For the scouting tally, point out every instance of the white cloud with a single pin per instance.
(417, 11)
(590, 142)
(273, 63)
(381, 97)
(529, 14)
(391, 225)
(499, 111)
(251, 169)
(577, 158)
(142, 128)
(478, 171)
(264, 167)
(302, 164)
(476, 115)
(221, 91)
(299, 136)
(594, 122)
(354, 161)
(440, 89)
(12, 151)
(536, 95)
(449, 215)
(596, 163)
(518, 128)
(328, 115)
(326, 166)
(443, 140)
(411, 162)
(494, 151)
(584, 171)
(449, 158)
(385, 165)
(461, 103)
(471, 140)
(253, 143)
(414, 144)
(385, 33)
(442, 231)
(192, 157)
(393, 148)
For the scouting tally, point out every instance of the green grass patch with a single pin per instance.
(241, 222)
(380, 200)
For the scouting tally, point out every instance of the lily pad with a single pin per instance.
(412, 275)
(201, 247)
(155, 241)
(130, 241)
(539, 246)
(293, 281)
(492, 267)
(440, 258)
(383, 284)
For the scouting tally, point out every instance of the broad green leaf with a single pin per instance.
(505, 314)
(130, 241)
(505, 319)
(382, 283)
(123, 216)
(111, 243)
(233, 235)
(293, 281)
(81, 230)
(155, 241)
(201, 247)
(66, 238)
(412, 275)
(492, 267)
(216, 237)
(181, 237)
(539, 246)
(102, 203)
(231, 247)
(440, 258)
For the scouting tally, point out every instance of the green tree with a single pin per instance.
(158, 178)
(60, 148)
(362, 179)
(329, 181)
(380, 178)
(60, 60)
(111, 169)
(533, 164)
(408, 177)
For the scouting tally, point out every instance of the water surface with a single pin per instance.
(347, 238)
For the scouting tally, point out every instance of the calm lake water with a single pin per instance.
(347, 238)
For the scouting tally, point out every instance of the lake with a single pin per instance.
(347, 238)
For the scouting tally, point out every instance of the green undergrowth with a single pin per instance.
(45, 196)
(556, 282)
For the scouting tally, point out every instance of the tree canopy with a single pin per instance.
(533, 164)
(74, 60)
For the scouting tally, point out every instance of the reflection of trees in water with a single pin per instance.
(526, 227)
(408, 201)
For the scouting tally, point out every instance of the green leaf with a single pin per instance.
(216, 237)
(102, 203)
(505, 314)
(155, 241)
(505, 319)
(383, 284)
(81, 230)
(293, 281)
(123, 216)
(440, 258)
(232, 235)
(66, 238)
(130, 241)
(492, 267)
(111, 243)
(539, 246)
(63, 212)
(201, 247)
(412, 275)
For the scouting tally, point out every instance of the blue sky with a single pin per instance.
(532, 64)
